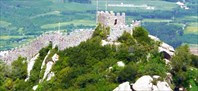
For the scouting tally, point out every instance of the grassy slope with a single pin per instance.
(192, 28)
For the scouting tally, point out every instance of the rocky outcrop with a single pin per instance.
(104, 42)
(163, 86)
(163, 47)
(35, 87)
(47, 70)
(166, 48)
(43, 63)
(123, 87)
(30, 65)
(48, 74)
(144, 83)
(120, 64)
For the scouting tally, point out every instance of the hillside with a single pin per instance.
(83, 45)
(99, 65)
(29, 19)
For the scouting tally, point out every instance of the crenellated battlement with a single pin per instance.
(110, 19)
(110, 13)
(116, 22)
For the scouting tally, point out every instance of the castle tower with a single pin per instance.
(110, 18)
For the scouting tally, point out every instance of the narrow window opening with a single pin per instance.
(115, 22)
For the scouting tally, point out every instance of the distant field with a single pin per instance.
(75, 23)
(57, 13)
(9, 37)
(192, 28)
(194, 48)
(5, 44)
(7, 26)
(187, 18)
(4, 23)
(158, 4)
(156, 20)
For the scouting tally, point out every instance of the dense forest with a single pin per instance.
(86, 67)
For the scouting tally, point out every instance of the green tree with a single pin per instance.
(181, 59)
(129, 73)
(101, 31)
(127, 39)
(9, 84)
(141, 35)
(194, 60)
(19, 68)
(155, 66)
(180, 63)
(21, 85)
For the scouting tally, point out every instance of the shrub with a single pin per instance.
(128, 73)
(141, 35)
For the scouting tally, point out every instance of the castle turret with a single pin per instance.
(110, 19)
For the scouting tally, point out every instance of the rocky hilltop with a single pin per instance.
(113, 56)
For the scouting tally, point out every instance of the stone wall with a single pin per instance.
(57, 38)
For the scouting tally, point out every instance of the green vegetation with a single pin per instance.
(75, 23)
(91, 66)
(129, 73)
(141, 35)
(45, 15)
(13, 78)
(183, 74)
(101, 31)
(127, 39)
(19, 69)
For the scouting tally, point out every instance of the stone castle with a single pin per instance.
(116, 22)
(110, 18)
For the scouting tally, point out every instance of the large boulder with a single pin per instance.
(167, 50)
(120, 64)
(155, 88)
(144, 83)
(55, 57)
(123, 87)
(163, 86)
